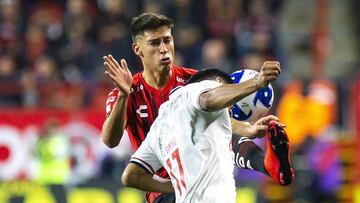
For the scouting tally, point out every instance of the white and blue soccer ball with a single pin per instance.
(255, 105)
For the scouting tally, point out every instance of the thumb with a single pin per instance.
(262, 127)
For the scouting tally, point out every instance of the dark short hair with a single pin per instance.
(210, 74)
(148, 21)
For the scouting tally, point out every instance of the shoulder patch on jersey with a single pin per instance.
(114, 92)
(108, 109)
(111, 99)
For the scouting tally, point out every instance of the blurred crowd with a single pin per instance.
(51, 51)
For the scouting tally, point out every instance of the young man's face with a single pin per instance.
(156, 49)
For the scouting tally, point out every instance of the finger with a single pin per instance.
(110, 69)
(107, 60)
(266, 120)
(282, 125)
(262, 121)
(273, 67)
(273, 63)
(271, 70)
(128, 70)
(113, 78)
(111, 61)
(276, 68)
(124, 64)
(110, 76)
(115, 62)
(272, 74)
(272, 117)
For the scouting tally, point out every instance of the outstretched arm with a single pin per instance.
(113, 127)
(136, 177)
(226, 95)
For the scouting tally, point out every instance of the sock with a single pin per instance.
(248, 155)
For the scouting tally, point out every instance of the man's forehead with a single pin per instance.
(163, 31)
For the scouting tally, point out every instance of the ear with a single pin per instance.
(136, 49)
(219, 79)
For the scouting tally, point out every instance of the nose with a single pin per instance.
(163, 49)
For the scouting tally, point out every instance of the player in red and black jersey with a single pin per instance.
(133, 104)
(142, 107)
(144, 102)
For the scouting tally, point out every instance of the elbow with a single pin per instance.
(126, 179)
(109, 139)
(109, 143)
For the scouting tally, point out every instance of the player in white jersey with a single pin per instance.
(195, 151)
(191, 138)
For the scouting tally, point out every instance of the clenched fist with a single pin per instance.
(270, 71)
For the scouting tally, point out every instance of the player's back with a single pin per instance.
(193, 145)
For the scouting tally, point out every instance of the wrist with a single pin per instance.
(122, 96)
(260, 83)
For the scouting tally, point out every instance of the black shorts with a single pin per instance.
(165, 198)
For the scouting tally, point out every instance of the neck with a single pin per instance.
(157, 80)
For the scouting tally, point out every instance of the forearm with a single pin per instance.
(241, 128)
(227, 94)
(113, 127)
(146, 182)
(255, 130)
(135, 176)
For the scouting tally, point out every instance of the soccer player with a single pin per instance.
(191, 138)
(135, 101)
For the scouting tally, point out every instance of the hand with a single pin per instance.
(258, 129)
(270, 71)
(119, 74)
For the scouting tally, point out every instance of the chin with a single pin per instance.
(167, 67)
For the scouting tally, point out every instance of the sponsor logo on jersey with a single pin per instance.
(142, 111)
(180, 80)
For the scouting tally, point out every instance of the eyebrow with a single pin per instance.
(155, 39)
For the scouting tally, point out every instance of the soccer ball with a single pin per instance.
(255, 105)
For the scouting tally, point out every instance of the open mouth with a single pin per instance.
(165, 60)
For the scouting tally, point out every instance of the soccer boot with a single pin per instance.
(277, 157)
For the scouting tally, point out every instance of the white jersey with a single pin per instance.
(193, 146)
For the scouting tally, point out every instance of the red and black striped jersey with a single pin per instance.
(144, 102)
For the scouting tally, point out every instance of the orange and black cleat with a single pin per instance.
(277, 157)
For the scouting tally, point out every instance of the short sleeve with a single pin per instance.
(196, 89)
(112, 97)
(146, 156)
